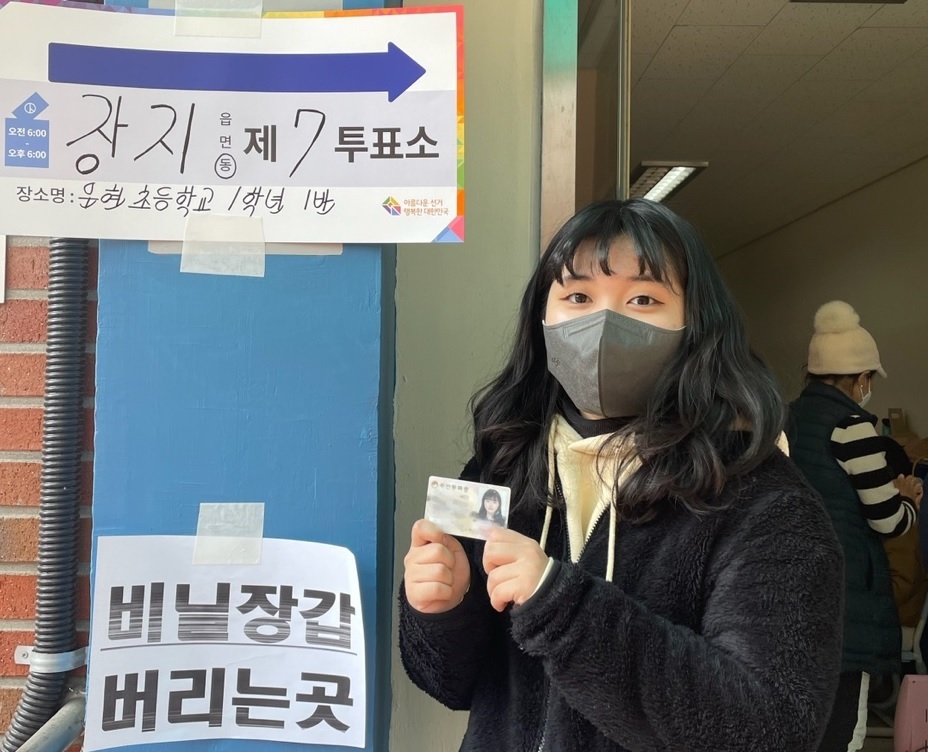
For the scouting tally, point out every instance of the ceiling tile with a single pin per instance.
(640, 64)
(903, 131)
(662, 103)
(695, 203)
(763, 76)
(652, 23)
(873, 165)
(902, 85)
(832, 13)
(755, 213)
(795, 112)
(782, 169)
(802, 169)
(761, 206)
(870, 53)
(699, 196)
(854, 120)
(818, 98)
(912, 13)
(864, 147)
(682, 144)
(730, 12)
(846, 175)
(657, 107)
(719, 109)
(700, 51)
(745, 214)
(785, 204)
(780, 129)
(645, 144)
(810, 28)
(714, 123)
(724, 238)
(736, 162)
(789, 116)
(918, 112)
(769, 133)
(909, 154)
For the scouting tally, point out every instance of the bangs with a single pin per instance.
(660, 251)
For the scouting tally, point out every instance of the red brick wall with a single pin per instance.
(22, 375)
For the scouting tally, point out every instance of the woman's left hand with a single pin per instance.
(514, 565)
(911, 487)
(919, 491)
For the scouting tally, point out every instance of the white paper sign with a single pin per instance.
(272, 651)
(338, 126)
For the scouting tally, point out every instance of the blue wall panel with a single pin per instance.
(278, 390)
(214, 388)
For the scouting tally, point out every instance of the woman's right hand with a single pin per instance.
(437, 570)
(911, 487)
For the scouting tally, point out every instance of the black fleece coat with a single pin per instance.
(720, 632)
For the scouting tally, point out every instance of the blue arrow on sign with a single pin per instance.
(392, 71)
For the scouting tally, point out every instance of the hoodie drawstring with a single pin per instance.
(543, 540)
(549, 510)
(610, 562)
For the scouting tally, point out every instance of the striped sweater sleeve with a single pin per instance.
(859, 451)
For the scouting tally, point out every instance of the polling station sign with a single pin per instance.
(179, 651)
(330, 127)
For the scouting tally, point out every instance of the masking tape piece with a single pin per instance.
(173, 248)
(222, 244)
(218, 18)
(229, 533)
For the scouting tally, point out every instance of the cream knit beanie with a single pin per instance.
(840, 344)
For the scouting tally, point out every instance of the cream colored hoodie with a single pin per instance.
(587, 482)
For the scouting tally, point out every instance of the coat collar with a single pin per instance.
(826, 391)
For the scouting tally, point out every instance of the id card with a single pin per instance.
(460, 507)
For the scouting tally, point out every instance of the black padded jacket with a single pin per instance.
(720, 632)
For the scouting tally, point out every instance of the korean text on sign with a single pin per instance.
(198, 652)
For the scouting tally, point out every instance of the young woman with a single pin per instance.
(668, 581)
(835, 443)
(491, 508)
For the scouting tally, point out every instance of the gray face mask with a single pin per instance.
(608, 363)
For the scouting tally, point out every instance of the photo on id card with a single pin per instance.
(460, 507)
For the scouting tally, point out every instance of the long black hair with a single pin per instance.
(714, 384)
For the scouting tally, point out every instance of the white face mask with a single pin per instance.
(866, 397)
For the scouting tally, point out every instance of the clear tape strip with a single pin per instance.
(220, 244)
(174, 248)
(229, 533)
(218, 18)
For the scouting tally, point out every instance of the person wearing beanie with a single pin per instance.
(834, 441)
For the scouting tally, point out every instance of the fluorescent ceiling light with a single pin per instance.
(658, 180)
